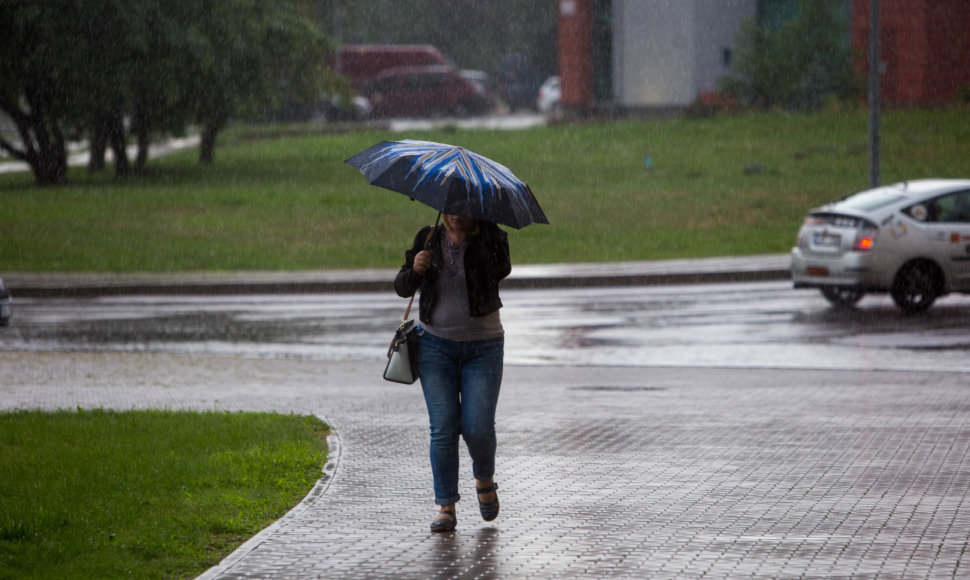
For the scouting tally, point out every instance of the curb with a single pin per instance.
(529, 277)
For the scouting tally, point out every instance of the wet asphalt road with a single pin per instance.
(700, 431)
(757, 325)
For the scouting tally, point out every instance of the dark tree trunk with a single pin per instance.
(141, 128)
(42, 143)
(49, 166)
(207, 147)
(116, 136)
(99, 145)
(48, 159)
(108, 120)
(141, 160)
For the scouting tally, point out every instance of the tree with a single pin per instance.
(797, 64)
(105, 102)
(43, 80)
(115, 69)
(250, 56)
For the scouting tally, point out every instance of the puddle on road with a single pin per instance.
(730, 325)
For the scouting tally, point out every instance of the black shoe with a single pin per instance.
(441, 524)
(489, 509)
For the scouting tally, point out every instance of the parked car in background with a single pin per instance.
(361, 63)
(355, 108)
(5, 307)
(549, 98)
(423, 91)
(483, 81)
(911, 239)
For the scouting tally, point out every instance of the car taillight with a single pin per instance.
(864, 240)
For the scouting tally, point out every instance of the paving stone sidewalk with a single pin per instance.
(605, 472)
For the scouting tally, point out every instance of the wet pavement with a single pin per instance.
(623, 472)
(742, 324)
(658, 466)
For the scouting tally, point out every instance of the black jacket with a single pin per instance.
(487, 262)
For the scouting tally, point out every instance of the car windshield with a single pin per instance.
(869, 201)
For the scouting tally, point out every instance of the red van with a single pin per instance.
(360, 63)
(424, 91)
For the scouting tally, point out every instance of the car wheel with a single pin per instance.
(842, 296)
(917, 286)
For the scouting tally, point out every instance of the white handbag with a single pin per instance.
(402, 356)
(402, 364)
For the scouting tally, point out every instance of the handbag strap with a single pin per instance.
(407, 312)
(427, 244)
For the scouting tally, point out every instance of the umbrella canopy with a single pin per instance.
(452, 180)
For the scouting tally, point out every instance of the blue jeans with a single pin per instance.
(461, 382)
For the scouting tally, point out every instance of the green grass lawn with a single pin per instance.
(724, 186)
(145, 494)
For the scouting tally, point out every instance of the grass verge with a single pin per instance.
(145, 494)
(613, 191)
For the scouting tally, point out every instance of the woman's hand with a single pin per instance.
(422, 262)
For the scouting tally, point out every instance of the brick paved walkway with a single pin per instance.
(604, 471)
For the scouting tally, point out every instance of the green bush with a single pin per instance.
(799, 64)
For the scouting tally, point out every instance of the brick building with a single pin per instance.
(924, 48)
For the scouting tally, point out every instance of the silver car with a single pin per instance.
(911, 239)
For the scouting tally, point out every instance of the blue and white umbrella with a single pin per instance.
(452, 180)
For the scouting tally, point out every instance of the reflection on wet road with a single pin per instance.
(727, 325)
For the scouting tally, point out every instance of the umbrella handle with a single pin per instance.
(427, 242)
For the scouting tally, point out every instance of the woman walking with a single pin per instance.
(457, 267)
